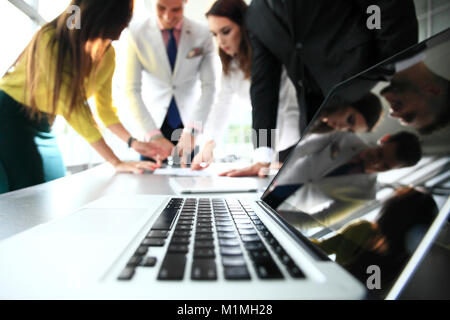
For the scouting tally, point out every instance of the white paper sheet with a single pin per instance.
(184, 172)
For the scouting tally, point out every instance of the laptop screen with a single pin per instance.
(372, 172)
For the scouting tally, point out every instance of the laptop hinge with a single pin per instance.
(316, 252)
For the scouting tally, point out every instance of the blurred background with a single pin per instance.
(20, 19)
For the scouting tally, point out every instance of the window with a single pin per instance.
(433, 16)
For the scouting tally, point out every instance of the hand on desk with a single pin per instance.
(205, 157)
(253, 170)
(136, 166)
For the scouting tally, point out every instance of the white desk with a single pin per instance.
(27, 208)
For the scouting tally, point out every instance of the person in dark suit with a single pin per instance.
(320, 43)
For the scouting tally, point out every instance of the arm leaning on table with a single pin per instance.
(215, 124)
(83, 122)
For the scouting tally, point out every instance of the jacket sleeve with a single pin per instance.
(208, 87)
(220, 111)
(399, 27)
(133, 89)
(264, 91)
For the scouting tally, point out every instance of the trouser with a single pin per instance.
(29, 154)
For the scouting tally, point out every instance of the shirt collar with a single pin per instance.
(177, 27)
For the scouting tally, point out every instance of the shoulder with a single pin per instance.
(108, 62)
(199, 29)
(138, 25)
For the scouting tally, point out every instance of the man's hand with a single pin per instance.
(251, 171)
(205, 157)
(165, 146)
(184, 148)
(150, 150)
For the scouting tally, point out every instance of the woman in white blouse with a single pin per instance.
(226, 20)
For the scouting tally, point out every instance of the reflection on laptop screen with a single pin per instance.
(371, 174)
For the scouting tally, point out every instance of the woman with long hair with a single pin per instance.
(63, 66)
(226, 19)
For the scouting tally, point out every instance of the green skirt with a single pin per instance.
(29, 154)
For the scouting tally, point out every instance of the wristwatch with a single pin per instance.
(130, 141)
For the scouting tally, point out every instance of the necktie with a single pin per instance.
(173, 116)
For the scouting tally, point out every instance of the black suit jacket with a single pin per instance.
(321, 43)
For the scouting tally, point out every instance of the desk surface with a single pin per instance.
(27, 208)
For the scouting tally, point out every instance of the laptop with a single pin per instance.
(350, 214)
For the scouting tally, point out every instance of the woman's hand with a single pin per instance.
(204, 158)
(250, 171)
(269, 171)
(135, 166)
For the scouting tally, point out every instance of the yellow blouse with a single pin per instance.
(98, 84)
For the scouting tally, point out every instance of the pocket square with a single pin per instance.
(195, 53)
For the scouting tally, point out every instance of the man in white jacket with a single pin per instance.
(175, 56)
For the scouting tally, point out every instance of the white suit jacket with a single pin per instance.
(192, 82)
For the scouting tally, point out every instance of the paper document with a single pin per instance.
(184, 172)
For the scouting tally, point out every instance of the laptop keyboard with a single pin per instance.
(206, 227)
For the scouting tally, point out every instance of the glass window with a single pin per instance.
(13, 43)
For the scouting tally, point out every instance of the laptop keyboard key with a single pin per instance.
(141, 251)
(158, 234)
(267, 269)
(250, 238)
(228, 242)
(134, 261)
(126, 274)
(178, 248)
(165, 219)
(226, 235)
(204, 236)
(225, 229)
(233, 261)
(231, 251)
(182, 233)
(204, 244)
(250, 246)
(148, 262)
(180, 240)
(294, 270)
(204, 230)
(204, 269)
(204, 253)
(247, 232)
(172, 267)
(154, 242)
(236, 273)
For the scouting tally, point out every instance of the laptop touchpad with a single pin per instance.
(96, 236)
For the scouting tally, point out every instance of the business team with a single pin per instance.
(282, 55)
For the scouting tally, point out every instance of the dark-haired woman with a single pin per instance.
(226, 20)
(59, 70)
(362, 115)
